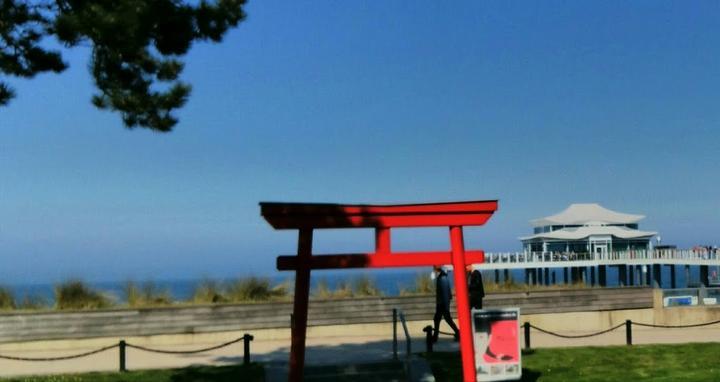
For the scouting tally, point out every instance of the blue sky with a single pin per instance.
(538, 105)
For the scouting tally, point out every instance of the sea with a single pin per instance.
(389, 281)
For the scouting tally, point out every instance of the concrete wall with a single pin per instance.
(19, 327)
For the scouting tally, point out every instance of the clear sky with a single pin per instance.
(538, 105)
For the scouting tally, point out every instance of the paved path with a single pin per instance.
(325, 350)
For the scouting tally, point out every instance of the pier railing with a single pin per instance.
(664, 256)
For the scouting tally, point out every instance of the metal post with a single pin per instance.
(628, 332)
(463, 304)
(428, 338)
(526, 326)
(395, 333)
(246, 348)
(121, 347)
(300, 306)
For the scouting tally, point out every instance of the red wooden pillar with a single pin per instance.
(463, 303)
(300, 306)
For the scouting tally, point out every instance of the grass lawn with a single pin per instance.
(251, 373)
(666, 363)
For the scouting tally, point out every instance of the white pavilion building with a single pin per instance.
(587, 228)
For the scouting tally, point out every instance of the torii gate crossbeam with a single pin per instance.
(306, 217)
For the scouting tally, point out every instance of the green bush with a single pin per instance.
(74, 294)
(147, 294)
(7, 301)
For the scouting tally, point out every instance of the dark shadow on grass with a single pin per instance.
(251, 373)
(530, 375)
(346, 353)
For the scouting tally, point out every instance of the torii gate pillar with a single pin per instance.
(307, 217)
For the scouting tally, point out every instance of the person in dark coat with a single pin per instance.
(443, 295)
(475, 287)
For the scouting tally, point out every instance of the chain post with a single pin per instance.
(121, 347)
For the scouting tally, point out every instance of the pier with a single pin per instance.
(635, 267)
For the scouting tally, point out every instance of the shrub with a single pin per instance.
(7, 301)
(74, 294)
(147, 294)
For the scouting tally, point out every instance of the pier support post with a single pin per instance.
(554, 280)
(565, 275)
(673, 282)
(704, 275)
(497, 276)
(539, 273)
(687, 276)
(631, 275)
(506, 275)
(657, 275)
(646, 269)
(547, 276)
(602, 275)
(622, 275)
(592, 276)
(527, 276)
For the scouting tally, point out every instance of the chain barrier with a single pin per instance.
(576, 336)
(122, 345)
(676, 326)
(44, 359)
(160, 351)
(628, 330)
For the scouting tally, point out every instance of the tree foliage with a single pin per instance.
(137, 47)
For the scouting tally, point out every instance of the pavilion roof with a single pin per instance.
(580, 233)
(586, 213)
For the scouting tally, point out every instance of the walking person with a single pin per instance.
(475, 287)
(443, 295)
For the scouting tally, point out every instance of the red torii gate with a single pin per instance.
(307, 217)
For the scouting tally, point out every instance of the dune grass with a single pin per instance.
(76, 295)
(423, 285)
(361, 286)
(146, 294)
(251, 289)
(695, 362)
(7, 301)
